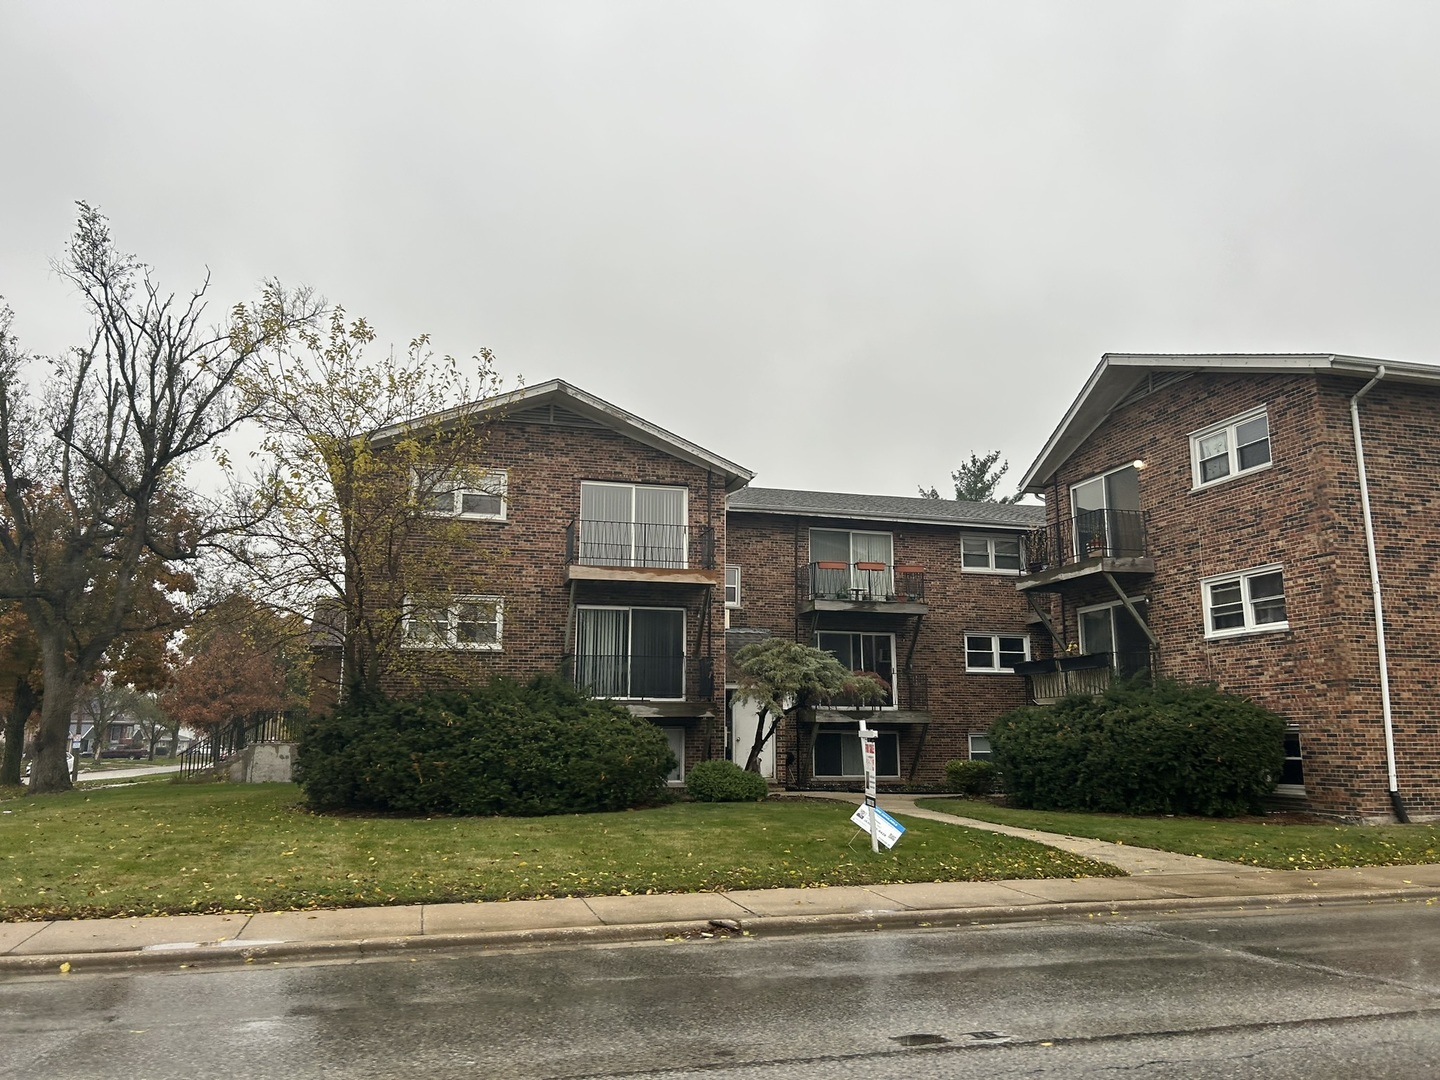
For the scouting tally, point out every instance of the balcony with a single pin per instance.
(884, 588)
(649, 552)
(651, 687)
(1048, 681)
(1088, 544)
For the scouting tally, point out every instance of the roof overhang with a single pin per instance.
(1118, 375)
(601, 412)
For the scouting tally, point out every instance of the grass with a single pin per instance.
(1274, 845)
(161, 848)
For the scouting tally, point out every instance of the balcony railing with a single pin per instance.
(1109, 534)
(647, 544)
(1091, 674)
(629, 676)
(914, 687)
(862, 582)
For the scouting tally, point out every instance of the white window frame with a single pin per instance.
(853, 575)
(409, 641)
(467, 481)
(894, 669)
(1247, 603)
(684, 656)
(989, 541)
(732, 570)
(984, 753)
(1232, 450)
(678, 778)
(994, 651)
(683, 525)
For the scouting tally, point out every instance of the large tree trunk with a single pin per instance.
(762, 736)
(23, 704)
(63, 683)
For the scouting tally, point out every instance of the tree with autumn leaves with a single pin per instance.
(95, 512)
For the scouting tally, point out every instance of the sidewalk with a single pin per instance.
(1159, 882)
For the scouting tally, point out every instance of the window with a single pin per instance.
(478, 494)
(863, 652)
(1245, 603)
(467, 622)
(837, 753)
(630, 652)
(850, 565)
(1107, 517)
(1292, 774)
(1238, 445)
(980, 748)
(1000, 554)
(995, 652)
(633, 525)
(1111, 629)
(732, 586)
(675, 736)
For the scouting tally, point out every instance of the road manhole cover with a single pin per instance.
(919, 1040)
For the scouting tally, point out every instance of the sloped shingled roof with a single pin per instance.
(835, 504)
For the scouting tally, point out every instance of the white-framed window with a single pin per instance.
(1230, 448)
(634, 525)
(873, 653)
(837, 754)
(992, 554)
(1292, 773)
(732, 586)
(980, 748)
(466, 622)
(631, 652)
(849, 564)
(1250, 602)
(995, 652)
(1111, 629)
(477, 494)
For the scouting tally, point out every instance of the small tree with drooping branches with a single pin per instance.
(784, 678)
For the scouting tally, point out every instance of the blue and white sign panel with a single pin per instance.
(887, 829)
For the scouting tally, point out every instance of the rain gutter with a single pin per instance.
(1395, 801)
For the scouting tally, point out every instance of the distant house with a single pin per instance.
(1270, 523)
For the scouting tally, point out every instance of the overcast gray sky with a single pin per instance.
(843, 244)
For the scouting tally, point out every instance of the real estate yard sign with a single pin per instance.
(879, 824)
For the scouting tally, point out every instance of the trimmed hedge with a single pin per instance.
(507, 748)
(1173, 748)
(724, 781)
(972, 778)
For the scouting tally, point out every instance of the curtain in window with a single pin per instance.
(607, 531)
(660, 527)
(830, 545)
(602, 637)
(873, 548)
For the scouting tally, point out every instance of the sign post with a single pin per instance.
(867, 758)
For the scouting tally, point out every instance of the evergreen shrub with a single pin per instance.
(724, 781)
(1171, 748)
(508, 748)
(972, 778)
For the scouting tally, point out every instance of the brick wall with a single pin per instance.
(769, 548)
(1304, 514)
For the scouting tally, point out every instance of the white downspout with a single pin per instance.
(1396, 804)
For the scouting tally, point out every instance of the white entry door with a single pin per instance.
(743, 719)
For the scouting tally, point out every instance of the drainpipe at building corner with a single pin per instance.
(1396, 803)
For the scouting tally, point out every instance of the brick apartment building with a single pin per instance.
(611, 555)
(1207, 519)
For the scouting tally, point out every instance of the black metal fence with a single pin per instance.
(215, 749)
(862, 581)
(656, 545)
(1109, 534)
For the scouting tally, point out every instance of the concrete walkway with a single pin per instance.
(1159, 882)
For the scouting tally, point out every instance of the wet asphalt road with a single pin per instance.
(1332, 992)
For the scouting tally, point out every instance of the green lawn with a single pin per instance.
(1278, 846)
(163, 848)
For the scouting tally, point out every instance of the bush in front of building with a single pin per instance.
(974, 779)
(1171, 748)
(724, 781)
(511, 748)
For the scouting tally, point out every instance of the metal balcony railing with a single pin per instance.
(862, 581)
(639, 544)
(225, 742)
(1090, 674)
(1109, 534)
(914, 693)
(631, 675)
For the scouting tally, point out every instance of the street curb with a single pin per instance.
(234, 953)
